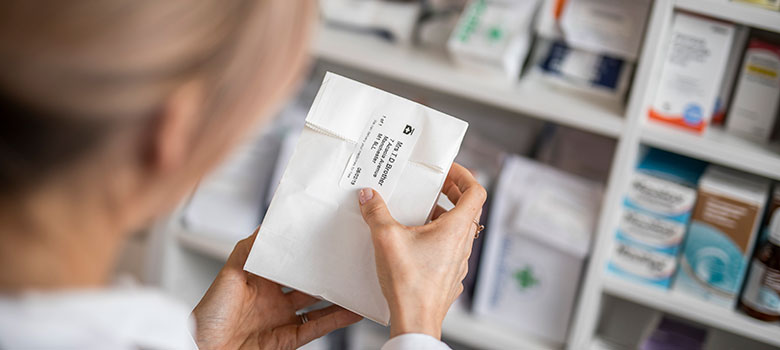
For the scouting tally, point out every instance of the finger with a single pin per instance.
(374, 210)
(470, 204)
(464, 270)
(300, 300)
(461, 177)
(437, 212)
(331, 318)
(473, 195)
(451, 190)
(241, 251)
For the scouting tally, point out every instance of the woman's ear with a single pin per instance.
(175, 128)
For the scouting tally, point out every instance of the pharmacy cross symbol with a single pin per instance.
(408, 130)
(525, 278)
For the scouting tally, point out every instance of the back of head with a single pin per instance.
(75, 74)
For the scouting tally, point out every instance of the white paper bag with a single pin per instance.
(313, 238)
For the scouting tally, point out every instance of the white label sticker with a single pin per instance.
(381, 153)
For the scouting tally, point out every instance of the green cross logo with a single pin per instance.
(525, 278)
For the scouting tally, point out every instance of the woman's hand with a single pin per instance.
(421, 268)
(244, 311)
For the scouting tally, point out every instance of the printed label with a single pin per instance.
(651, 230)
(643, 263)
(763, 289)
(381, 153)
(660, 196)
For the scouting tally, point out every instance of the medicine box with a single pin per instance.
(656, 212)
(493, 36)
(541, 221)
(768, 4)
(723, 101)
(693, 70)
(583, 71)
(721, 236)
(757, 97)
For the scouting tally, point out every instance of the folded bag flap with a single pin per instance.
(343, 107)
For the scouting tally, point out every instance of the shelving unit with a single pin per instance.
(693, 309)
(717, 146)
(432, 69)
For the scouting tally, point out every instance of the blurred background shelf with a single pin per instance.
(717, 146)
(210, 246)
(433, 69)
(746, 14)
(694, 310)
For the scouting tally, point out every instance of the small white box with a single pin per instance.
(494, 36)
(693, 70)
(755, 104)
(540, 225)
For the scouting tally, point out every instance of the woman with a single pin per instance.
(111, 112)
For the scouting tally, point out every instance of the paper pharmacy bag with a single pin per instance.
(313, 237)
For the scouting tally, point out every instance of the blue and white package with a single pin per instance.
(656, 212)
(585, 71)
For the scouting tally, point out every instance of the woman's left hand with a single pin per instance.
(244, 311)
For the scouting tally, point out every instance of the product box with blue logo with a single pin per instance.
(697, 53)
(656, 212)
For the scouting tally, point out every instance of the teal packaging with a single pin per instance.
(656, 212)
(723, 231)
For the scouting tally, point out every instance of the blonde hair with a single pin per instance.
(73, 71)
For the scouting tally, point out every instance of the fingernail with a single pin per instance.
(365, 195)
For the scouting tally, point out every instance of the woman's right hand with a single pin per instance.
(421, 268)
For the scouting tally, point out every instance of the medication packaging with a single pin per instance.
(757, 97)
(494, 36)
(721, 236)
(610, 27)
(656, 212)
(768, 4)
(583, 71)
(313, 237)
(541, 221)
(693, 70)
(733, 67)
(761, 296)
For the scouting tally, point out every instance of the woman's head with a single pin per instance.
(127, 102)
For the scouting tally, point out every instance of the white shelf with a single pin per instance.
(434, 70)
(465, 328)
(694, 310)
(716, 146)
(746, 14)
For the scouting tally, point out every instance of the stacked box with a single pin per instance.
(657, 209)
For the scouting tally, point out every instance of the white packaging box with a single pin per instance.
(613, 27)
(756, 100)
(313, 237)
(540, 226)
(393, 19)
(494, 36)
(693, 70)
(723, 101)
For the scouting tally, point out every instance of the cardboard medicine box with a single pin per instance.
(656, 212)
(696, 57)
(722, 234)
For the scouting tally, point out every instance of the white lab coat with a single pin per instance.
(117, 318)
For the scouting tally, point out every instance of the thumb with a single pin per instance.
(374, 209)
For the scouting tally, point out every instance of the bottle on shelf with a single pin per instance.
(761, 299)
